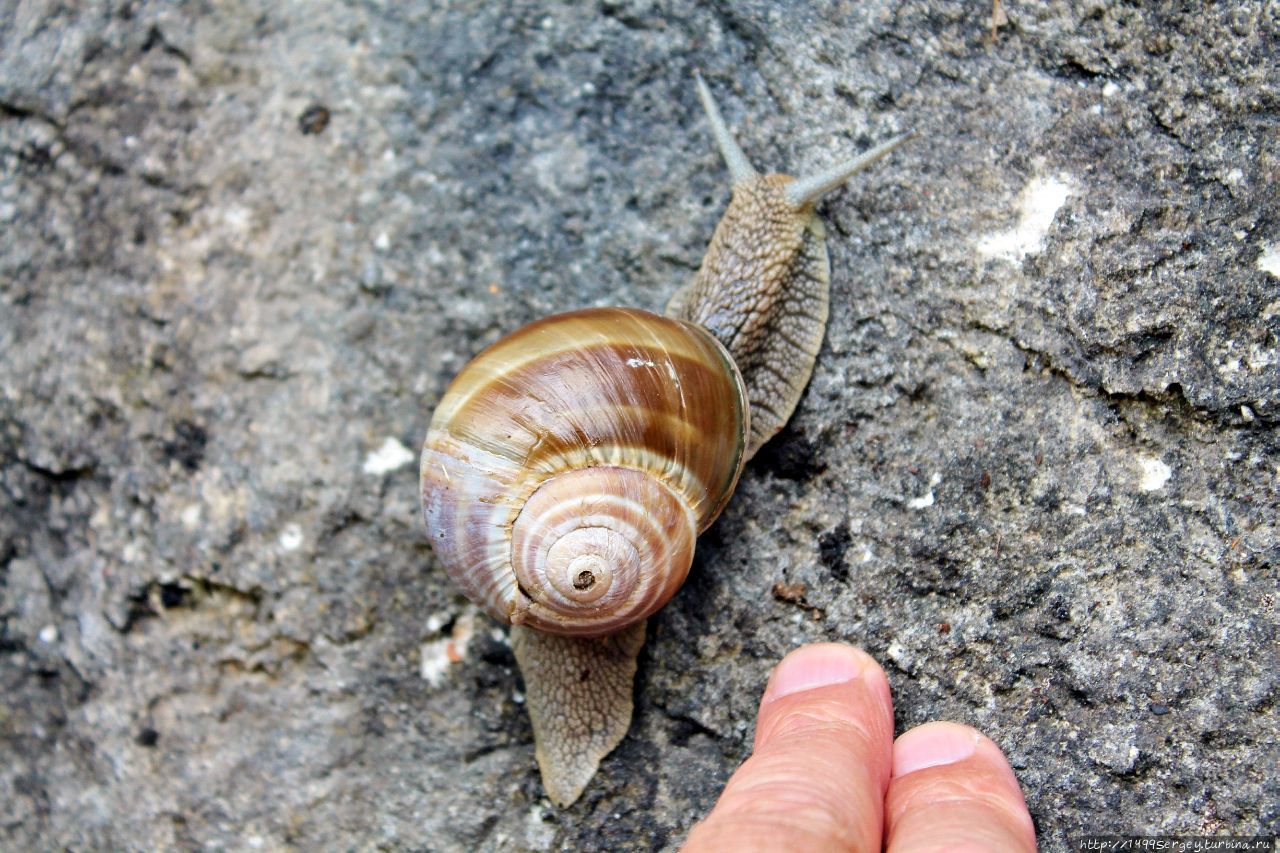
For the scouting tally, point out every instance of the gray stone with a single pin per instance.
(1035, 473)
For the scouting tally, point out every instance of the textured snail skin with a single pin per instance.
(576, 721)
(570, 467)
(763, 291)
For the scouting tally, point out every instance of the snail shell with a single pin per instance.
(570, 467)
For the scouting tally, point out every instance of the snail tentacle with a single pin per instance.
(806, 190)
(740, 168)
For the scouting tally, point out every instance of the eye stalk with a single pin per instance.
(807, 190)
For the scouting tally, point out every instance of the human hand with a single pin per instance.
(826, 773)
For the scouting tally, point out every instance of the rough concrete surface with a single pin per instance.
(244, 245)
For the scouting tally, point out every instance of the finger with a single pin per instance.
(823, 755)
(953, 789)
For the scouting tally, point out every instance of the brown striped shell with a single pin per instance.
(571, 465)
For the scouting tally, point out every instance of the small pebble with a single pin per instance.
(314, 120)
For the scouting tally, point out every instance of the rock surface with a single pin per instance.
(245, 245)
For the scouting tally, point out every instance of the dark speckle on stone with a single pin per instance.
(148, 737)
(1061, 610)
(314, 120)
(188, 444)
(832, 547)
(1158, 708)
(174, 595)
(791, 455)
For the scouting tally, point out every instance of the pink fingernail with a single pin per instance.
(815, 666)
(931, 745)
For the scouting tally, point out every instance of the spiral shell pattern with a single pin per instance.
(571, 465)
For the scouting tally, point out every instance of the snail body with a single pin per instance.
(570, 466)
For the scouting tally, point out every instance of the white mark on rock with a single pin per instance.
(435, 661)
(1260, 358)
(1039, 203)
(921, 502)
(926, 500)
(389, 456)
(439, 655)
(238, 217)
(1110, 90)
(1269, 260)
(48, 634)
(1154, 473)
(191, 517)
(539, 833)
(291, 537)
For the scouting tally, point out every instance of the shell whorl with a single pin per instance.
(589, 539)
(570, 466)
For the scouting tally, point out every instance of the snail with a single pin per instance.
(569, 467)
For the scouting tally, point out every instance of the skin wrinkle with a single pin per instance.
(792, 810)
(850, 805)
(786, 764)
(928, 845)
(951, 790)
(821, 721)
(749, 834)
(966, 792)
(854, 768)
(961, 831)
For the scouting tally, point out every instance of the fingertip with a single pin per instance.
(952, 786)
(822, 759)
(933, 744)
(817, 665)
(828, 683)
(941, 742)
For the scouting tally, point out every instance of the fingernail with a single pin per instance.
(931, 745)
(815, 666)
